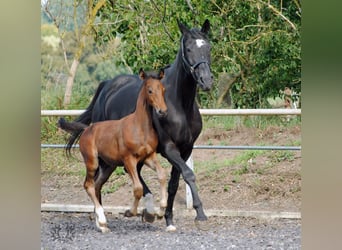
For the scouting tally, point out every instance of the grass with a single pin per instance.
(114, 186)
(262, 122)
(209, 167)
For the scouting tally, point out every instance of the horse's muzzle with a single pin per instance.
(205, 83)
(161, 113)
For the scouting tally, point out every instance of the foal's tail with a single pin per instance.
(75, 128)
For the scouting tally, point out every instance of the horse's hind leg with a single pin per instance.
(153, 163)
(101, 177)
(89, 185)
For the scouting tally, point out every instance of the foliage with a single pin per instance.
(255, 43)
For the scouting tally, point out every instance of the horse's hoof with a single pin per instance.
(161, 213)
(105, 230)
(203, 225)
(159, 217)
(128, 213)
(171, 228)
(147, 217)
(103, 227)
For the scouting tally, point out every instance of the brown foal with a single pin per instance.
(127, 142)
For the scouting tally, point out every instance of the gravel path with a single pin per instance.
(77, 231)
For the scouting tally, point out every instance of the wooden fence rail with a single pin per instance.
(212, 112)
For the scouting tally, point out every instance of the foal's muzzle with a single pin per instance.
(161, 113)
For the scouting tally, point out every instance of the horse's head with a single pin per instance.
(154, 91)
(195, 51)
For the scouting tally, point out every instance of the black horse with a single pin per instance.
(177, 131)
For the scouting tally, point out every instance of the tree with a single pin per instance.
(82, 31)
(256, 49)
(255, 43)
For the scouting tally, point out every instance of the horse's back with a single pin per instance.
(117, 98)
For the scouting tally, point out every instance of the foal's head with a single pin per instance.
(154, 91)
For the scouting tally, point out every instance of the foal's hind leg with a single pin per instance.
(101, 177)
(153, 163)
(101, 221)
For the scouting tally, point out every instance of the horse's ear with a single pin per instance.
(182, 27)
(141, 74)
(161, 74)
(206, 26)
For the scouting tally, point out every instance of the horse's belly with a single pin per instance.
(112, 161)
(144, 151)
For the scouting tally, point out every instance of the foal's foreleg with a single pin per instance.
(131, 167)
(89, 185)
(153, 163)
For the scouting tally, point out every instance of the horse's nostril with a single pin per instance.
(163, 113)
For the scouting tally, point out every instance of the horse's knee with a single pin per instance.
(188, 175)
(87, 184)
(162, 176)
(138, 192)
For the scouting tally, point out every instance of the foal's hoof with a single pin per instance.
(128, 213)
(147, 217)
(161, 213)
(102, 227)
(105, 229)
(159, 217)
(203, 225)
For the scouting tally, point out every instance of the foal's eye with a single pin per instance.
(150, 91)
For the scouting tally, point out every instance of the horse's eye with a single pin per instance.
(150, 91)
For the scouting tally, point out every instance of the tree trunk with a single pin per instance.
(70, 82)
(225, 82)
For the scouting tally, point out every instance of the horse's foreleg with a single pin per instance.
(153, 163)
(89, 185)
(146, 190)
(131, 167)
(179, 167)
(172, 190)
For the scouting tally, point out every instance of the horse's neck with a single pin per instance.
(142, 112)
(182, 84)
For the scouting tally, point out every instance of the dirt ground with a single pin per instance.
(226, 179)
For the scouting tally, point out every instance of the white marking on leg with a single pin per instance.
(200, 42)
(101, 221)
(149, 203)
(170, 228)
(100, 215)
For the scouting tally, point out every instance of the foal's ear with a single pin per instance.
(141, 74)
(206, 26)
(182, 27)
(161, 74)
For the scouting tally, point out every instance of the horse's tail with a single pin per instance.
(75, 128)
(84, 118)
